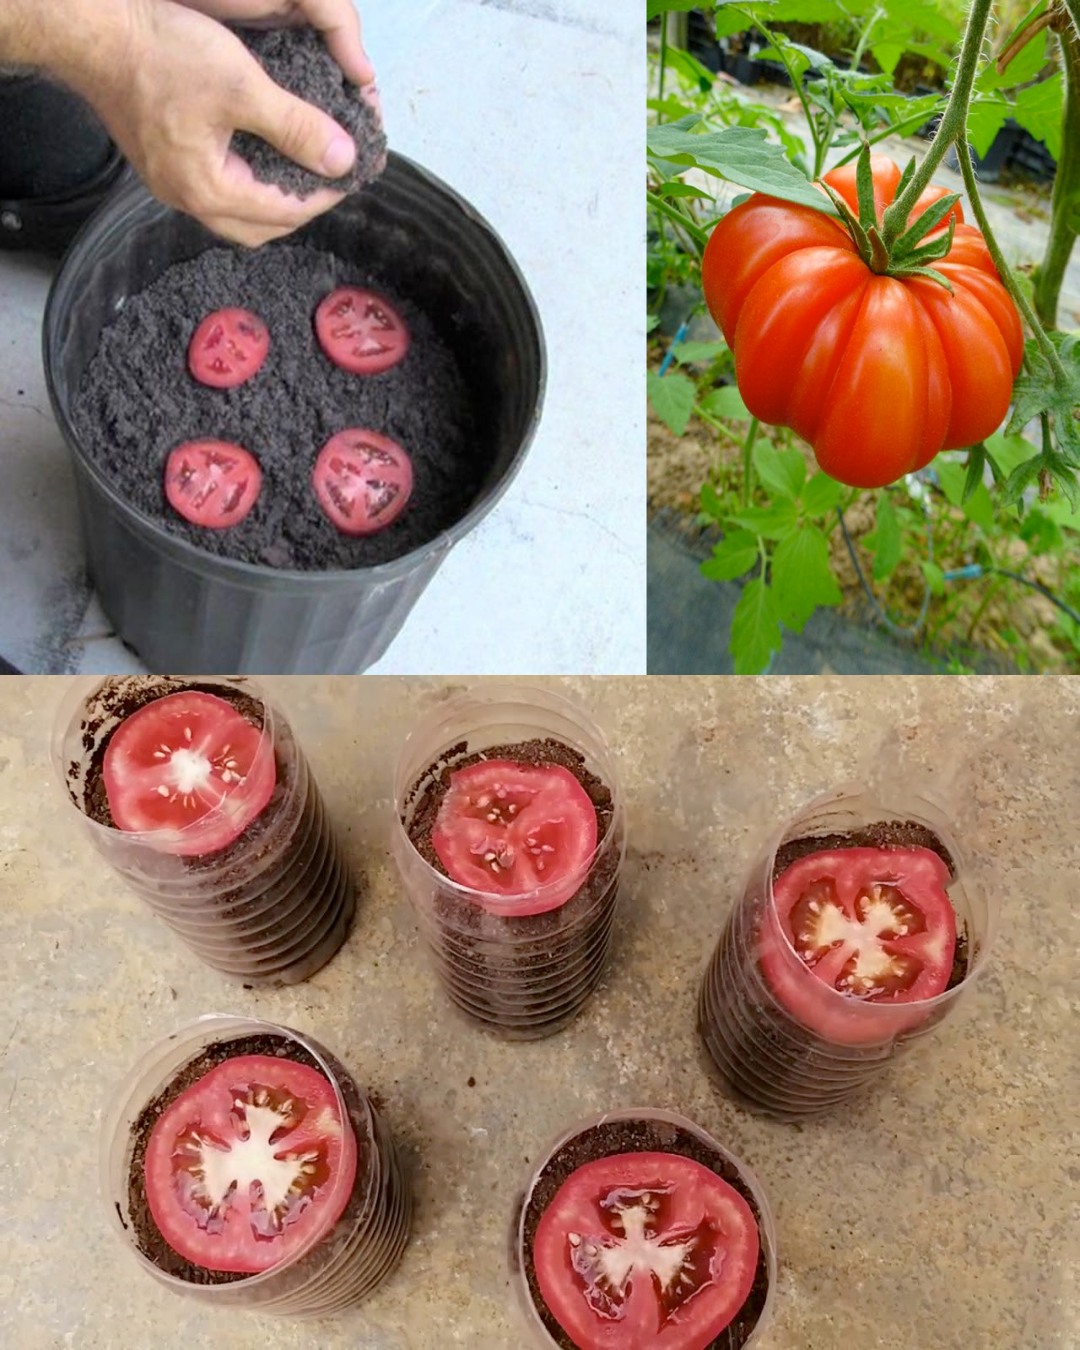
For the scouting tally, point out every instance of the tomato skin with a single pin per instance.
(878, 373)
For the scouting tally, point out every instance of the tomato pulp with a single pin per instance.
(878, 373)
(522, 834)
(250, 1164)
(645, 1251)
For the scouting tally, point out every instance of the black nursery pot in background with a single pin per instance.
(187, 611)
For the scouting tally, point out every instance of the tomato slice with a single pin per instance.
(250, 1164)
(645, 1251)
(228, 347)
(523, 834)
(362, 480)
(875, 925)
(212, 483)
(361, 331)
(190, 767)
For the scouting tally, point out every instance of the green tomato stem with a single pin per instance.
(663, 58)
(1065, 202)
(820, 145)
(697, 232)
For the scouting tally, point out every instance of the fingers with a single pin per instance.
(252, 213)
(300, 131)
(339, 24)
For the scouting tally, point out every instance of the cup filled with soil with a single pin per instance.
(199, 796)
(275, 449)
(860, 927)
(638, 1230)
(243, 1165)
(509, 838)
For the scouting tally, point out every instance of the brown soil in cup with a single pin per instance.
(639, 1136)
(138, 1217)
(492, 947)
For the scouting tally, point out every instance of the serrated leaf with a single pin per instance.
(822, 494)
(755, 628)
(740, 154)
(726, 402)
(732, 557)
(986, 117)
(775, 521)
(1038, 110)
(802, 577)
(887, 543)
(978, 508)
(700, 353)
(782, 472)
(673, 398)
(710, 502)
(652, 322)
(935, 577)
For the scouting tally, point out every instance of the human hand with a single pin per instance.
(185, 86)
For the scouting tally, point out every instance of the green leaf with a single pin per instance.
(802, 577)
(935, 577)
(652, 322)
(976, 465)
(822, 494)
(775, 521)
(755, 628)
(656, 7)
(700, 353)
(978, 508)
(741, 155)
(1038, 110)
(710, 502)
(986, 117)
(1041, 532)
(732, 557)
(673, 398)
(726, 402)
(673, 188)
(1020, 480)
(887, 544)
(782, 472)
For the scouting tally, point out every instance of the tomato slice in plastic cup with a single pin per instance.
(342, 1260)
(777, 1004)
(493, 941)
(656, 1132)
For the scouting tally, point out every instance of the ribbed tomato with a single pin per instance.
(878, 373)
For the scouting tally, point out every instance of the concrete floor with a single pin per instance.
(941, 1211)
(523, 106)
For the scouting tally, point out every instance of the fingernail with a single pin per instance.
(339, 157)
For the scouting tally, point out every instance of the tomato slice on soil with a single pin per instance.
(361, 331)
(521, 833)
(250, 1164)
(875, 925)
(645, 1251)
(362, 480)
(228, 347)
(212, 483)
(190, 766)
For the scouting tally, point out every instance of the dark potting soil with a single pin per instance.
(640, 1136)
(137, 402)
(297, 59)
(147, 1234)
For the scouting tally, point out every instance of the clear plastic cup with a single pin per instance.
(336, 1270)
(663, 1132)
(522, 975)
(798, 1063)
(270, 908)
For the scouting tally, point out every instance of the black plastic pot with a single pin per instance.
(187, 611)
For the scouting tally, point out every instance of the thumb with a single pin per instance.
(299, 130)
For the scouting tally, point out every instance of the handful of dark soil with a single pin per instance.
(297, 59)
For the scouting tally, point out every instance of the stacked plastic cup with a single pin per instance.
(270, 908)
(338, 1269)
(523, 976)
(665, 1127)
(792, 1067)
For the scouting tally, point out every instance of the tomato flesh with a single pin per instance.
(250, 1164)
(190, 768)
(878, 373)
(874, 925)
(522, 834)
(363, 480)
(645, 1251)
(361, 331)
(228, 347)
(212, 483)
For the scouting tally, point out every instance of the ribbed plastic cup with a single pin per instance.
(270, 908)
(523, 976)
(668, 1126)
(335, 1271)
(791, 1065)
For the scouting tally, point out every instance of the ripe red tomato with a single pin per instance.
(191, 767)
(874, 925)
(362, 480)
(645, 1251)
(878, 373)
(250, 1164)
(212, 483)
(523, 834)
(228, 347)
(361, 331)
